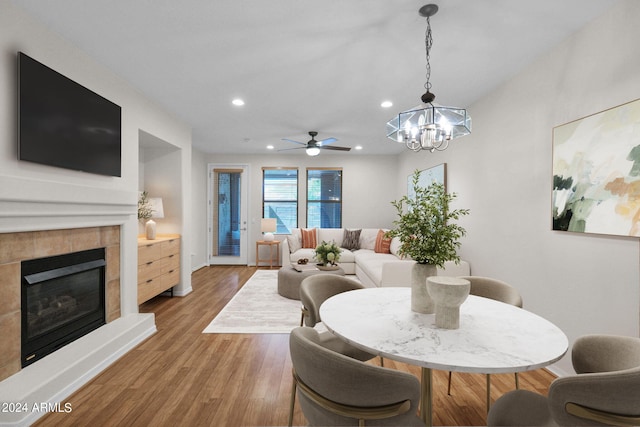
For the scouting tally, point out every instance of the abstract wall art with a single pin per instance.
(596, 173)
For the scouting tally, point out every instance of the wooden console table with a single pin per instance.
(158, 265)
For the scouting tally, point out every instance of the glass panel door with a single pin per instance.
(228, 229)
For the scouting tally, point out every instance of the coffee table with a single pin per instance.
(289, 279)
(493, 337)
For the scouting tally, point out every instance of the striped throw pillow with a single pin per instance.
(309, 239)
(383, 244)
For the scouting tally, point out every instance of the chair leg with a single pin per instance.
(449, 385)
(517, 381)
(292, 404)
(381, 361)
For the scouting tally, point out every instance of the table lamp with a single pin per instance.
(268, 226)
(157, 211)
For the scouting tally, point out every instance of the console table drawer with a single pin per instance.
(149, 252)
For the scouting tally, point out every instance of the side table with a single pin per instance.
(273, 244)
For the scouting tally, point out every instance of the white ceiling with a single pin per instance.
(304, 65)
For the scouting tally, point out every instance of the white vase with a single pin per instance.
(421, 301)
(150, 229)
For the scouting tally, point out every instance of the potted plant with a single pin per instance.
(428, 234)
(145, 210)
(327, 254)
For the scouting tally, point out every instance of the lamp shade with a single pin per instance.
(157, 210)
(268, 225)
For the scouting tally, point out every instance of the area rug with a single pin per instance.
(257, 308)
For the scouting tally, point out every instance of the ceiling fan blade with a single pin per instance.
(333, 147)
(294, 148)
(327, 141)
(295, 142)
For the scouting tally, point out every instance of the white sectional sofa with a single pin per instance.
(373, 269)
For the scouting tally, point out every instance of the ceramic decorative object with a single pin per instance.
(421, 301)
(150, 229)
(448, 294)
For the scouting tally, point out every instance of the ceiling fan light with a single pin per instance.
(313, 151)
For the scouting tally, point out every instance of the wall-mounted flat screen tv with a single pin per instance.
(62, 123)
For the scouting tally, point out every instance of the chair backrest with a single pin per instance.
(316, 289)
(331, 386)
(494, 289)
(607, 387)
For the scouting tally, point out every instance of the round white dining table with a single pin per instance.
(493, 337)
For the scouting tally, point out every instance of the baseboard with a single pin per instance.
(43, 386)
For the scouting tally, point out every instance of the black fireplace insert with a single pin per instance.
(63, 298)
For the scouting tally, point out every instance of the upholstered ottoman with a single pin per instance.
(289, 280)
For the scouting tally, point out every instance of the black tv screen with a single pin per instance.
(62, 123)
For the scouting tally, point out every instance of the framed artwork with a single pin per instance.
(434, 174)
(596, 173)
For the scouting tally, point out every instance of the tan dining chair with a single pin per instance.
(334, 389)
(498, 290)
(604, 391)
(314, 290)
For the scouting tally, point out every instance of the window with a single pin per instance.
(280, 197)
(324, 198)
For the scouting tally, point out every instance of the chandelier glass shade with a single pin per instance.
(429, 126)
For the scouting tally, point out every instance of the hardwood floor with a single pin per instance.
(182, 377)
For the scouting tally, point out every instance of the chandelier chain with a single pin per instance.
(428, 41)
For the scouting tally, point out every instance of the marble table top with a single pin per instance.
(493, 337)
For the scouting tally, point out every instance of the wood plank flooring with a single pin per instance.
(182, 377)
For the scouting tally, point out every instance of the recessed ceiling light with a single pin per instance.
(358, 147)
(386, 104)
(239, 102)
(270, 147)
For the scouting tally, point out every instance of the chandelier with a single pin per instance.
(429, 126)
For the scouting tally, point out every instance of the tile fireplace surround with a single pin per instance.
(53, 378)
(18, 247)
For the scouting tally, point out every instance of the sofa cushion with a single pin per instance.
(294, 241)
(351, 239)
(394, 248)
(368, 238)
(309, 238)
(331, 235)
(383, 244)
(302, 254)
(371, 263)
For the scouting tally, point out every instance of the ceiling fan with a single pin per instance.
(313, 147)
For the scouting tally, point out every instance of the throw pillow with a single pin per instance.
(351, 239)
(294, 242)
(309, 238)
(383, 244)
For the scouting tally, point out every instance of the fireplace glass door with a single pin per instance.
(63, 298)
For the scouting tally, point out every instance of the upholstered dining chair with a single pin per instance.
(604, 391)
(496, 290)
(314, 290)
(334, 389)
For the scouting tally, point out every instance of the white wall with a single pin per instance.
(34, 196)
(368, 187)
(502, 172)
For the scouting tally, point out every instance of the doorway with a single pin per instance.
(228, 207)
